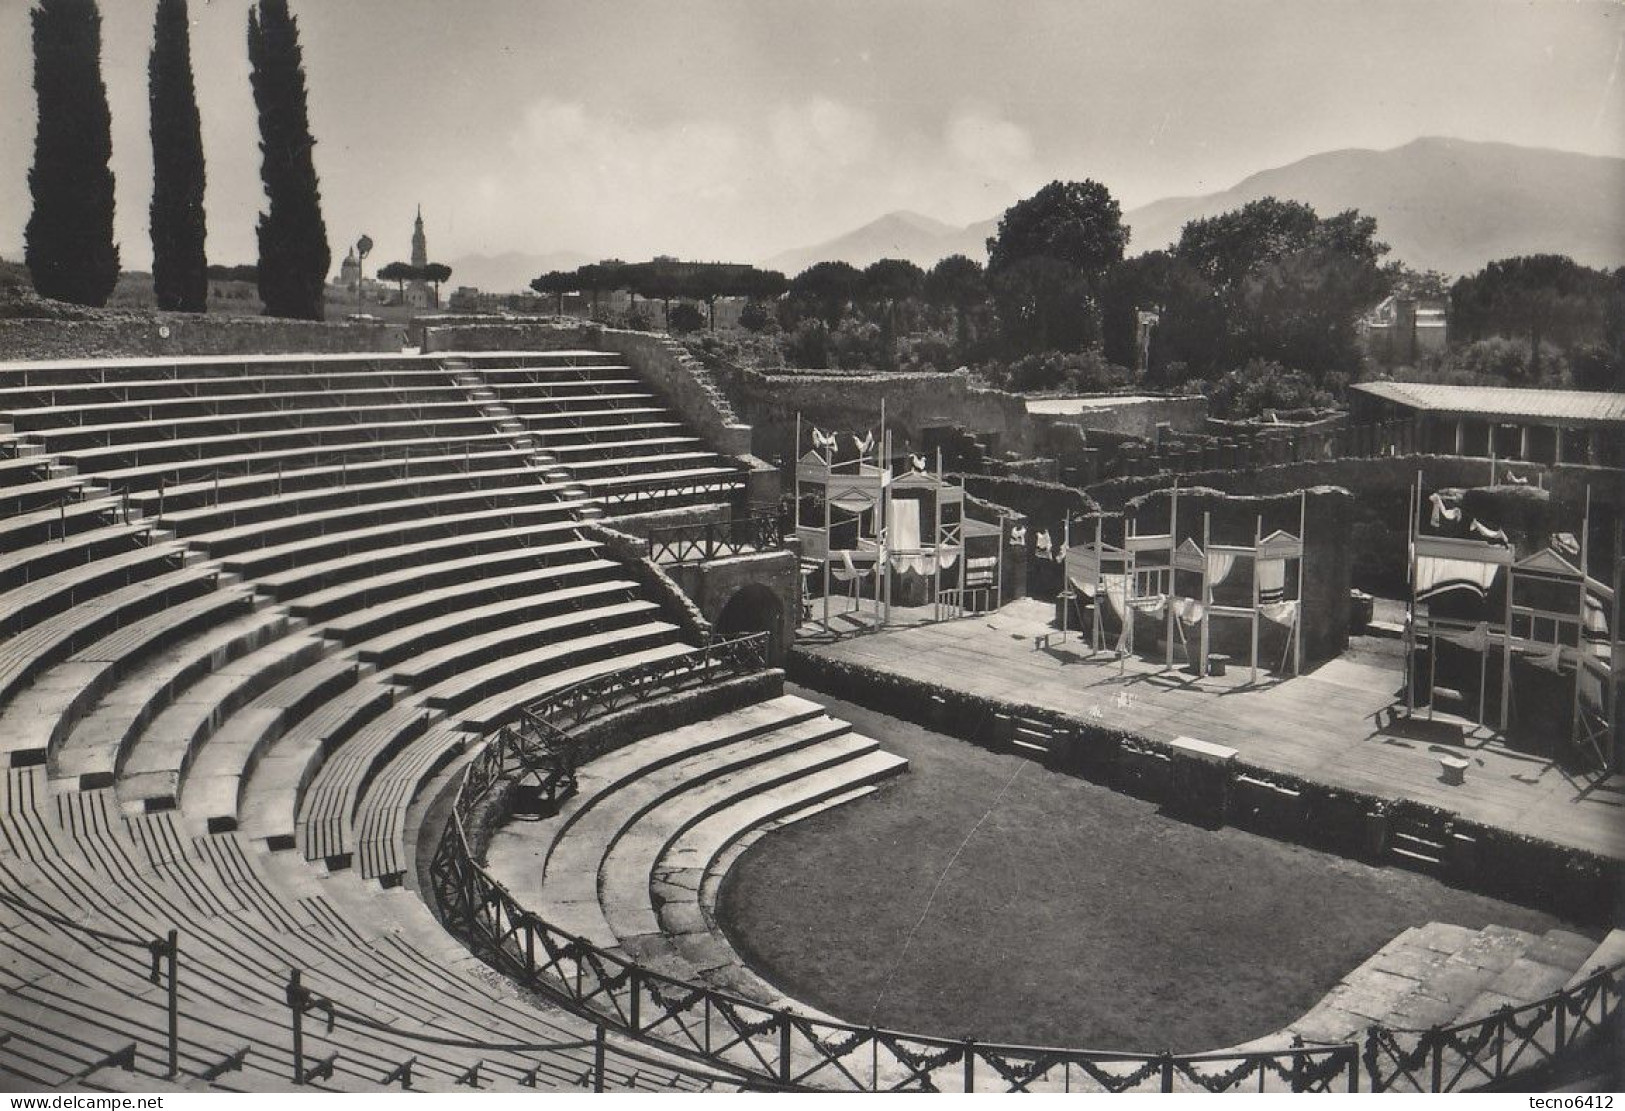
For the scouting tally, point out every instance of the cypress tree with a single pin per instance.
(70, 249)
(294, 256)
(179, 268)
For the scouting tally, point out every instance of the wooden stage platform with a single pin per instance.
(1335, 725)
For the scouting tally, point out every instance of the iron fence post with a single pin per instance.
(172, 954)
(634, 1010)
(598, 1056)
(970, 1065)
(296, 1005)
(1167, 1071)
(784, 1047)
(1436, 1036)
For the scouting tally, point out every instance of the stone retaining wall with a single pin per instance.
(1578, 885)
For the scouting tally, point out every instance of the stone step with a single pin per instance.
(736, 801)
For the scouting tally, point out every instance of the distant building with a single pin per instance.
(420, 294)
(1540, 426)
(1402, 329)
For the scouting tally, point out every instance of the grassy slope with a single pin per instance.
(1072, 916)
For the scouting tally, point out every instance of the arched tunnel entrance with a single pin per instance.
(754, 608)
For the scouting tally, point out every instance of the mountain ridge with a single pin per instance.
(1444, 204)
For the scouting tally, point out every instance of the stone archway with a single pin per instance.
(754, 608)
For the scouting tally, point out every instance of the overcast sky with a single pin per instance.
(737, 128)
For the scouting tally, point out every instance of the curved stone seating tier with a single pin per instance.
(512, 481)
(426, 623)
(212, 789)
(99, 567)
(494, 679)
(144, 481)
(30, 652)
(519, 520)
(366, 467)
(100, 741)
(436, 587)
(44, 526)
(198, 407)
(46, 494)
(400, 551)
(112, 457)
(76, 1002)
(598, 867)
(496, 710)
(63, 440)
(160, 756)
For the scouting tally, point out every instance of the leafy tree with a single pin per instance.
(400, 273)
(179, 268)
(826, 288)
(1078, 223)
(1536, 298)
(959, 284)
(558, 283)
(436, 272)
(1189, 337)
(755, 317)
(70, 250)
(294, 255)
(1262, 385)
(685, 318)
(1044, 304)
(233, 273)
(1042, 265)
(1291, 284)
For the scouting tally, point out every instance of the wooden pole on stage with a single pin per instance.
(1097, 637)
(1207, 589)
(1258, 538)
(1580, 621)
(1303, 553)
(1412, 514)
(1066, 581)
(1615, 640)
(936, 554)
(1173, 543)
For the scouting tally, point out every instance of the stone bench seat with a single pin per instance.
(139, 453)
(181, 407)
(639, 464)
(49, 595)
(566, 452)
(22, 470)
(272, 482)
(22, 566)
(540, 520)
(79, 394)
(467, 688)
(502, 546)
(528, 494)
(572, 616)
(208, 519)
(45, 494)
(145, 480)
(522, 569)
(212, 790)
(32, 651)
(422, 623)
(270, 806)
(380, 819)
(63, 439)
(496, 708)
(574, 871)
(163, 753)
(328, 804)
(42, 526)
(544, 402)
(716, 813)
(151, 681)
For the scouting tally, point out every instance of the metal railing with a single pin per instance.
(761, 1044)
(708, 540)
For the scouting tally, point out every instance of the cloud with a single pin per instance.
(573, 175)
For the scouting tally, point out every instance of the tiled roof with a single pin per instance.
(1558, 406)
